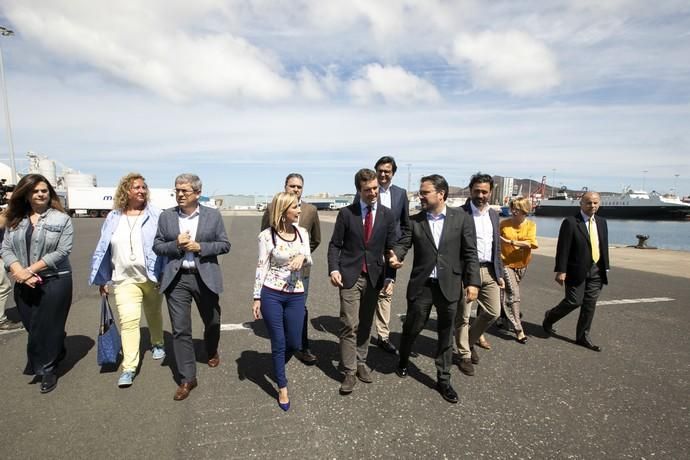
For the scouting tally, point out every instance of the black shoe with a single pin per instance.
(401, 372)
(474, 356)
(9, 325)
(306, 356)
(466, 367)
(387, 346)
(548, 326)
(447, 392)
(588, 344)
(48, 383)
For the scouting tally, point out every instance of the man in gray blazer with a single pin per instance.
(191, 237)
(308, 219)
(445, 262)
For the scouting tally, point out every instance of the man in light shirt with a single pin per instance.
(191, 237)
(486, 224)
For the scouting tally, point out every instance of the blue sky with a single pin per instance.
(243, 92)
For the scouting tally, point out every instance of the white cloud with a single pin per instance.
(511, 61)
(392, 84)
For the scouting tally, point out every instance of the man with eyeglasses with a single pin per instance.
(308, 219)
(445, 269)
(191, 237)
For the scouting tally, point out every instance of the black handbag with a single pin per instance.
(109, 343)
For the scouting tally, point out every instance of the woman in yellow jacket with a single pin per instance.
(518, 238)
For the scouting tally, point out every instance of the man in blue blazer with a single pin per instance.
(395, 199)
(191, 237)
(582, 260)
(363, 233)
(486, 225)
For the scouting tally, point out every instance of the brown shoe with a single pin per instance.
(482, 342)
(348, 384)
(363, 373)
(474, 356)
(183, 390)
(214, 360)
(466, 367)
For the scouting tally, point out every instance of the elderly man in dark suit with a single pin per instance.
(308, 219)
(582, 260)
(445, 260)
(191, 237)
(363, 232)
(486, 225)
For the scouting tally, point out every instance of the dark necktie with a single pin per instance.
(367, 234)
(367, 225)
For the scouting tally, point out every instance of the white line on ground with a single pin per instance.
(236, 327)
(628, 301)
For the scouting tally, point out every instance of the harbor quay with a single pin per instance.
(546, 399)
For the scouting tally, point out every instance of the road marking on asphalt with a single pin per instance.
(236, 327)
(629, 301)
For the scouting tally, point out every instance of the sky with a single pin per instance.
(588, 93)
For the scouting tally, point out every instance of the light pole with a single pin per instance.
(5, 32)
(553, 180)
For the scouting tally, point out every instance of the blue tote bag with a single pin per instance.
(109, 343)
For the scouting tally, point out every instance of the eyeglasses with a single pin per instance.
(184, 192)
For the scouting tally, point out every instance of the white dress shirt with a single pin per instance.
(436, 224)
(189, 224)
(485, 233)
(385, 196)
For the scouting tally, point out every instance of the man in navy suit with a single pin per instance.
(486, 226)
(395, 199)
(582, 259)
(363, 232)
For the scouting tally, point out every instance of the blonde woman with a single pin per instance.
(124, 257)
(279, 285)
(518, 238)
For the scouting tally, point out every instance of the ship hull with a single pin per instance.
(620, 212)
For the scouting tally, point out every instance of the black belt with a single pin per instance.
(189, 271)
(486, 264)
(431, 281)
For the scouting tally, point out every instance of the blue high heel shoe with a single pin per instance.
(284, 406)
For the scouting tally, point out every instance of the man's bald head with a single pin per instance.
(590, 202)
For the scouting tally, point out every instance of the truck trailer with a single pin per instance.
(98, 201)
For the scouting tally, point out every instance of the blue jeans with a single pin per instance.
(283, 314)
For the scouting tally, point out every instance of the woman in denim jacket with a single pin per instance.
(124, 258)
(35, 250)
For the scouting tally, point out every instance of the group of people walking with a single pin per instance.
(462, 257)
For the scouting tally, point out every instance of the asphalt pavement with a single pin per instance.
(547, 399)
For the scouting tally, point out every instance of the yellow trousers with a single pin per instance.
(130, 299)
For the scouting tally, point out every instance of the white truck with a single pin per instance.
(98, 201)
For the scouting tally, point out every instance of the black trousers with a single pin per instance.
(44, 311)
(584, 296)
(179, 296)
(417, 315)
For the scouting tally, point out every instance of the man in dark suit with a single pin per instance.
(363, 232)
(486, 225)
(582, 260)
(191, 237)
(395, 199)
(445, 260)
(308, 219)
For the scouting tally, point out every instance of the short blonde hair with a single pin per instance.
(279, 206)
(120, 199)
(522, 204)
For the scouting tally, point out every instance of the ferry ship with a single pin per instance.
(631, 204)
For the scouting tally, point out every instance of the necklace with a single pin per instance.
(132, 256)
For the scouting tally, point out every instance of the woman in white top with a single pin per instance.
(124, 257)
(279, 287)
